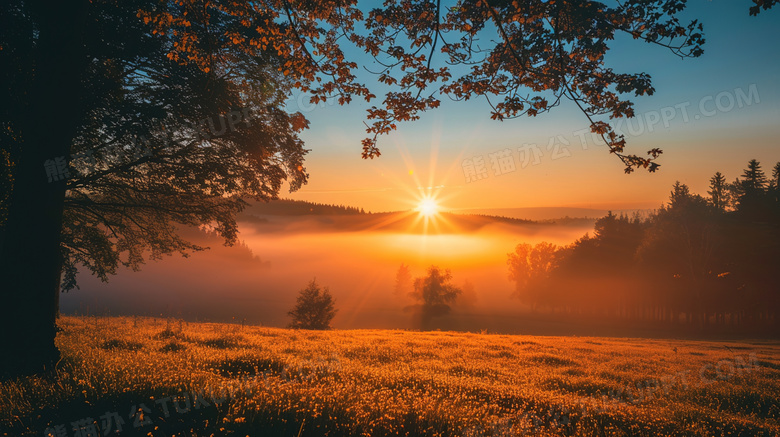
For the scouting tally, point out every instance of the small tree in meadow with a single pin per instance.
(435, 292)
(314, 308)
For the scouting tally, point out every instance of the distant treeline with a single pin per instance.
(708, 262)
(299, 207)
(496, 218)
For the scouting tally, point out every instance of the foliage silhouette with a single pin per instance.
(719, 193)
(529, 268)
(132, 130)
(314, 308)
(435, 293)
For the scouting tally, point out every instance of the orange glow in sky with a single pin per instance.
(703, 122)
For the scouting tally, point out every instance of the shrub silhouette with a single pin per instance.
(314, 309)
(435, 292)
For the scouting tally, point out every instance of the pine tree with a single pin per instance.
(680, 194)
(754, 179)
(774, 185)
(753, 199)
(718, 191)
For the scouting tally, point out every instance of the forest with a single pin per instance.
(706, 262)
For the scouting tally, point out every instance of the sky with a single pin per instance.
(708, 114)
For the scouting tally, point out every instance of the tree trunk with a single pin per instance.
(30, 257)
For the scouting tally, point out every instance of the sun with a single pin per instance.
(428, 207)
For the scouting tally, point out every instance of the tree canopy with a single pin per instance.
(161, 142)
(524, 57)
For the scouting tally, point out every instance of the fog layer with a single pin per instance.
(355, 256)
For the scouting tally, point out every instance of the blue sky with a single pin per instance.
(730, 97)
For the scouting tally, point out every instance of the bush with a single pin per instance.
(314, 309)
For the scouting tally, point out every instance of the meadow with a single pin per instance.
(132, 376)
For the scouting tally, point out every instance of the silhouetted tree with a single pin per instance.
(681, 250)
(115, 143)
(314, 308)
(529, 268)
(680, 194)
(735, 192)
(617, 238)
(774, 188)
(718, 191)
(752, 201)
(595, 273)
(754, 180)
(435, 292)
(776, 175)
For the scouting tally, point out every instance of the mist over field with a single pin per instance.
(357, 256)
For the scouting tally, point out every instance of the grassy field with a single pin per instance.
(160, 377)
